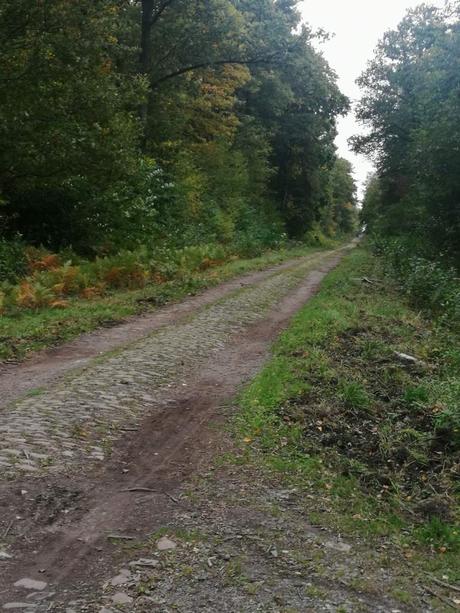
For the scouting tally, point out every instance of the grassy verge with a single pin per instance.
(27, 331)
(371, 437)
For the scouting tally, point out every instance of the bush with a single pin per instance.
(13, 260)
(316, 238)
(429, 284)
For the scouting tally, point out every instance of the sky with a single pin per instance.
(358, 25)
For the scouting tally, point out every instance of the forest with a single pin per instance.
(135, 130)
(411, 110)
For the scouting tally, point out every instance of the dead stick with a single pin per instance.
(8, 528)
(455, 588)
(440, 597)
(171, 497)
(121, 537)
(139, 489)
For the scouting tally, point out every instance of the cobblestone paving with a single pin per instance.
(81, 416)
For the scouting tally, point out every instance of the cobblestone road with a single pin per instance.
(79, 418)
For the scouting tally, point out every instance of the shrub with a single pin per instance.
(13, 261)
(33, 295)
(316, 238)
(430, 285)
(125, 270)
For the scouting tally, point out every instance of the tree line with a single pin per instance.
(411, 108)
(127, 122)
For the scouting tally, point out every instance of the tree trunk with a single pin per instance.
(145, 59)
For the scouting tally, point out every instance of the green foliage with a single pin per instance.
(66, 122)
(411, 106)
(13, 263)
(430, 285)
(221, 133)
(438, 533)
(354, 395)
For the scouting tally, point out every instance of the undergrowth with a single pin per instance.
(432, 285)
(373, 435)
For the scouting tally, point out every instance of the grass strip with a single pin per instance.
(371, 437)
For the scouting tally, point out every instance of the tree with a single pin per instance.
(67, 124)
(192, 121)
(411, 107)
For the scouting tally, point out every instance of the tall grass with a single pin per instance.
(431, 285)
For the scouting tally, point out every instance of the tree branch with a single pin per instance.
(212, 63)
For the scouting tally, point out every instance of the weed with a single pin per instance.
(354, 395)
(440, 535)
(315, 592)
(416, 396)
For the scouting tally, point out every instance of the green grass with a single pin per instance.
(335, 412)
(27, 331)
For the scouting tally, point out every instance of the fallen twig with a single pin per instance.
(121, 537)
(440, 597)
(171, 497)
(455, 588)
(8, 528)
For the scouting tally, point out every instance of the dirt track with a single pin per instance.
(120, 438)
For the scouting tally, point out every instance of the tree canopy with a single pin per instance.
(128, 122)
(411, 107)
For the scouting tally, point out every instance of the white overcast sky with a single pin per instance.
(358, 25)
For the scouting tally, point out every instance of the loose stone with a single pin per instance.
(31, 584)
(165, 544)
(121, 598)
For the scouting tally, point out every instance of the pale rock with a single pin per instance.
(121, 579)
(121, 598)
(145, 562)
(338, 546)
(165, 544)
(5, 556)
(31, 584)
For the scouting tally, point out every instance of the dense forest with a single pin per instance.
(411, 107)
(128, 124)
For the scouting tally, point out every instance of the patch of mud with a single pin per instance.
(234, 547)
(50, 504)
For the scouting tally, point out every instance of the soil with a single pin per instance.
(393, 442)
